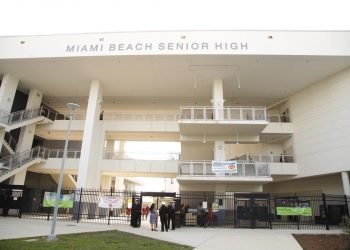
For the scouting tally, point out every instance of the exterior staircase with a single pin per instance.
(17, 162)
(10, 121)
(9, 143)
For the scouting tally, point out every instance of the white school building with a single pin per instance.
(273, 105)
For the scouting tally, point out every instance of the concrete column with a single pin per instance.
(119, 183)
(106, 182)
(93, 141)
(109, 145)
(218, 99)
(121, 150)
(219, 150)
(109, 149)
(7, 95)
(346, 185)
(26, 136)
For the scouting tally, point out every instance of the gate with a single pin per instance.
(11, 200)
(252, 210)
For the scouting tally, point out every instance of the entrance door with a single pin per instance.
(252, 210)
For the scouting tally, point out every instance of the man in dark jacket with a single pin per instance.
(163, 212)
(171, 216)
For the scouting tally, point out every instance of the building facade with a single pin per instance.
(273, 104)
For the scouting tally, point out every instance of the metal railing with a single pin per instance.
(204, 168)
(27, 114)
(117, 116)
(10, 141)
(115, 155)
(278, 118)
(226, 113)
(265, 158)
(12, 162)
(58, 153)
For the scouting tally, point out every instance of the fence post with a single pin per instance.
(296, 200)
(81, 192)
(346, 204)
(110, 210)
(48, 208)
(269, 213)
(325, 210)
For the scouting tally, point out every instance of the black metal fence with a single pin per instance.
(206, 209)
(85, 207)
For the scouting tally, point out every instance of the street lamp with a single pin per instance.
(72, 108)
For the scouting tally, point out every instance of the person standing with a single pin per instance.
(136, 214)
(163, 212)
(147, 211)
(153, 217)
(171, 216)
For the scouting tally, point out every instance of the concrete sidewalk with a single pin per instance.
(199, 238)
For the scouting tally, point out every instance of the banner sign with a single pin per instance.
(224, 167)
(111, 202)
(65, 200)
(303, 211)
(293, 207)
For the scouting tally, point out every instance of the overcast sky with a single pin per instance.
(29, 17)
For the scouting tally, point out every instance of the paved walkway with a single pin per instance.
(200, 238)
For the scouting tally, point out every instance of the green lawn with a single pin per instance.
(96, 241)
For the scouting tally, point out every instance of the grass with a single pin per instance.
(96, 240)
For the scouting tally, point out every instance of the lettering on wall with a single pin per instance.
(160, 46)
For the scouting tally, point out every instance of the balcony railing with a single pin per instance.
(204, 168)
(278, 118)
(116, 116)
(58, 153)
(265, 158)
(226, 113)
(112, 155)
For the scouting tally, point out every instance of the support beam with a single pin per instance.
(346, 184)
(7, 95)
(26, 136)
(93, 141)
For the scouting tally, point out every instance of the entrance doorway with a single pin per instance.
(252, 210)
(147, 198)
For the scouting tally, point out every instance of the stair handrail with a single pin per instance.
(12, 162)
(26, 114)
(8, 138)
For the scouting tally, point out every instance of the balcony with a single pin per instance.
(202, 171)
(249, 121)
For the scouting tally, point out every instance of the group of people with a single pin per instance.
(145, 212)
(167, 216)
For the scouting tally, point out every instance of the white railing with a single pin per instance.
(65, 116)
(265, 158)
(278, 118)
(58, 153)
(141, 116)
(27, 114)
(112, 155)
(204, 168)
(17, 160)
(116, 116)
(226, 113)
(10, 141)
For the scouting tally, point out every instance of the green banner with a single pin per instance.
(65, 201)
(304, 211)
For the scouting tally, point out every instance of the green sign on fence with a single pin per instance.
(304, 211)
(65, 201)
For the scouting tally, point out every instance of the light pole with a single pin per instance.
(72, 108)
